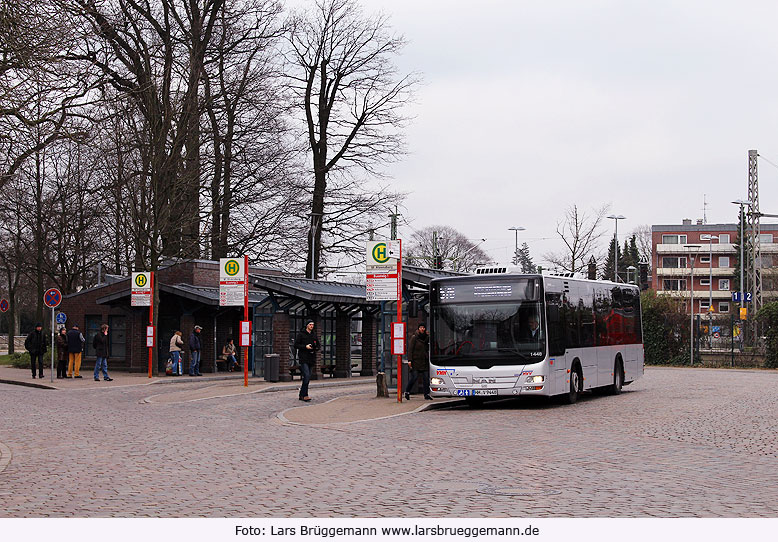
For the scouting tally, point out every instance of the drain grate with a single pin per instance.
(517, 491)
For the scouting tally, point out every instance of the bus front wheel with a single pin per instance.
(575, 387)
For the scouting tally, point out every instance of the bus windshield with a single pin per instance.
(487, 334)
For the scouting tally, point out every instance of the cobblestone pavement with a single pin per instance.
(677, 443)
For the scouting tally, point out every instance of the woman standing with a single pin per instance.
(176, 347)
(62, 353)
(100, 343)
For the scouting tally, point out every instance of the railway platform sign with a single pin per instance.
(52, 297)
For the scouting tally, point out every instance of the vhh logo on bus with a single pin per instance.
(232, 268)
(381, 253)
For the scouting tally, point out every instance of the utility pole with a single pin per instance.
(394, 223)
(754, 276)
(436, 264)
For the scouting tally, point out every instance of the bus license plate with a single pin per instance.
(484, 392)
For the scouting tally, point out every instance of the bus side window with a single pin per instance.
(555, 324)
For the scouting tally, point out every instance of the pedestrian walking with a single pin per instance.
(36, 344)
(75, 348)
(176, 347)
(419, 361)
(100, 344)
(307, 344)
(62, 353)
(196, 347)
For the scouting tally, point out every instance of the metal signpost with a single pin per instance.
(384, 283)
(234, 292)
(52, 298)
(142, 295)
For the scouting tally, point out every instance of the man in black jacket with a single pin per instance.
(36, 344)
(419, 361)
(196, 348)
(307, 344)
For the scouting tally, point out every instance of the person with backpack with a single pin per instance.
(75, 348)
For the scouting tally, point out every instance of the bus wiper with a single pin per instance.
(514, 351)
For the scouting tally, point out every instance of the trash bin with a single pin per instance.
(272, 362)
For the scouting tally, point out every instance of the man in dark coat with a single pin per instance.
(75, 348)
(419, 361)
(36, 344)
(196, 347)
(307, 344)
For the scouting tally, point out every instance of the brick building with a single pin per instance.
(348, 326)
(672, 258)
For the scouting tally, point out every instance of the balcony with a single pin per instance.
(718, 248)
(683, 272)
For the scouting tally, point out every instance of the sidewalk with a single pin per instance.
(357, 402)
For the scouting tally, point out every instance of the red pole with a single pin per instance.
(400, 319)
(246, 317)
(151, 315)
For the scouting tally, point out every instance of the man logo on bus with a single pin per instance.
(140, 280)
(231, 268)
(380, 253)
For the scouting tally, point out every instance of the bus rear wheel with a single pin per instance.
(618, 378)
(575, 387)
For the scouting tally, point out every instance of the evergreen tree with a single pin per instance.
(608, 266)
(523, 260)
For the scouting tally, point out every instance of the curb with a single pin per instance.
(5, 456)
(27, 384)
(284, 387)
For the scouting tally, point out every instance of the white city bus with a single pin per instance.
(587, 335)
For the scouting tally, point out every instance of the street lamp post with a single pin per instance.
(616, 218)
(516, 229)
(710, 239)
(691, 300)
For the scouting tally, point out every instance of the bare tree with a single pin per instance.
(580, 231)
(444, 247)
(642, 235)
(351, 97)
(253, 206)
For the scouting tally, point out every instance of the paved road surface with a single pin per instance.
(677, 443)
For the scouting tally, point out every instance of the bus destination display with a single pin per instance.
(482, 291)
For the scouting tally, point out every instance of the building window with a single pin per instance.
(723, 261)
(724, 284)
(673, 262)
(674, 239)
(704, 305)
(705, 259)
(674, 284)
(766, 260)
(723, 306)
(704, 282)
(723, 238)
(90, 330)
(765, 237)
(117, 337)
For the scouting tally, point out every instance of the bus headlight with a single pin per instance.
(536, 378)
(435, 381)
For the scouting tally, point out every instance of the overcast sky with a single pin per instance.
(528, 107)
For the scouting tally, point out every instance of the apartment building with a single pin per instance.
(709, 250)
